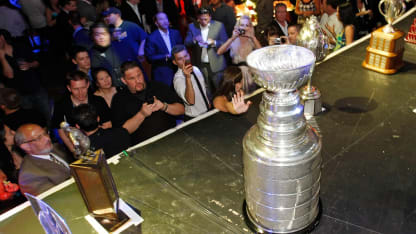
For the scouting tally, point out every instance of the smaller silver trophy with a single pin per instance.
(392, 9)
(312, 37)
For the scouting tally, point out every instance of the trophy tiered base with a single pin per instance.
(385, 52)
(411, 35)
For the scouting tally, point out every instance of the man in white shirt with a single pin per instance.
(204, 37)
(44, 165)
(330, 20)
(189, 84)
(280, 19)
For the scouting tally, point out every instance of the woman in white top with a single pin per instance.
(241, 44)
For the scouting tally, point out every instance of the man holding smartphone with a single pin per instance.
(189, 84)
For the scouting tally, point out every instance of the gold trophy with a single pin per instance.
(95, 181)
(385, 52)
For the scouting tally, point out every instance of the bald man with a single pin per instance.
(44, 165)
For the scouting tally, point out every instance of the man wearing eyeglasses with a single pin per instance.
(44, 164)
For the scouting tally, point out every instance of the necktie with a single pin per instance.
(55, 160)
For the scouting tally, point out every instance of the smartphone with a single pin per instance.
(188, 62)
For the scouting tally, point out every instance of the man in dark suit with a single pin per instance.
(204, 38)
(45, 165)
(158, 48)
(151, 7)
(130, 11)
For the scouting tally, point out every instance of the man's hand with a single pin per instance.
(146, 109)
(210, 42)
(198, 39)
(187, 70)
(157, 105)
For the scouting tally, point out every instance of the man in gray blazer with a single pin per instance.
(44, 165)
(204, 38)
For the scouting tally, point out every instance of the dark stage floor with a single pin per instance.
(191, 181)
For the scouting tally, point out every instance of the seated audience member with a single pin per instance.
(80, 35)
(15, 116)
(44, 165)
(204, 38)
(158, 49)
(11, 158)
(77, 85)
(18, 70)
(103, 54)
(111, 140)
(144, 109)
(329, 19)
(81, 58)
(105, 88)
(128, 37)
(293, 31)
(230, 96)
(242, 43)
(10, 162)
(346, 16)
(189, 84)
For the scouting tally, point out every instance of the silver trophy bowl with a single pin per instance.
(281, 153)
(281, 67)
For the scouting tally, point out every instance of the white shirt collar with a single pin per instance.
(134, 6)
(43, 156)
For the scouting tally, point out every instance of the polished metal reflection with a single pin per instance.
(311, 36)
(281, 152)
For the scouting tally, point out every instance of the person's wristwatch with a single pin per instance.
(165, 107)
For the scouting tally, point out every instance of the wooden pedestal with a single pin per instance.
(385, 52)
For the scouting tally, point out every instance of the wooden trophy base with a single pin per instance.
(385, 52)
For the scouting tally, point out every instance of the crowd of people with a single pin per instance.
(125, 71)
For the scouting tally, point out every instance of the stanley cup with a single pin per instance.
(281, 153)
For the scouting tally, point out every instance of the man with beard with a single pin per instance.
(77, 85)
(44, 165)
(145, 110)
(158, 48)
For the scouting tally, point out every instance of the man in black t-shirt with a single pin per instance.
(145, 110)
(111, 140)
(77, 85)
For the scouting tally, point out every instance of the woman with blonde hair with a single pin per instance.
(241, 44)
